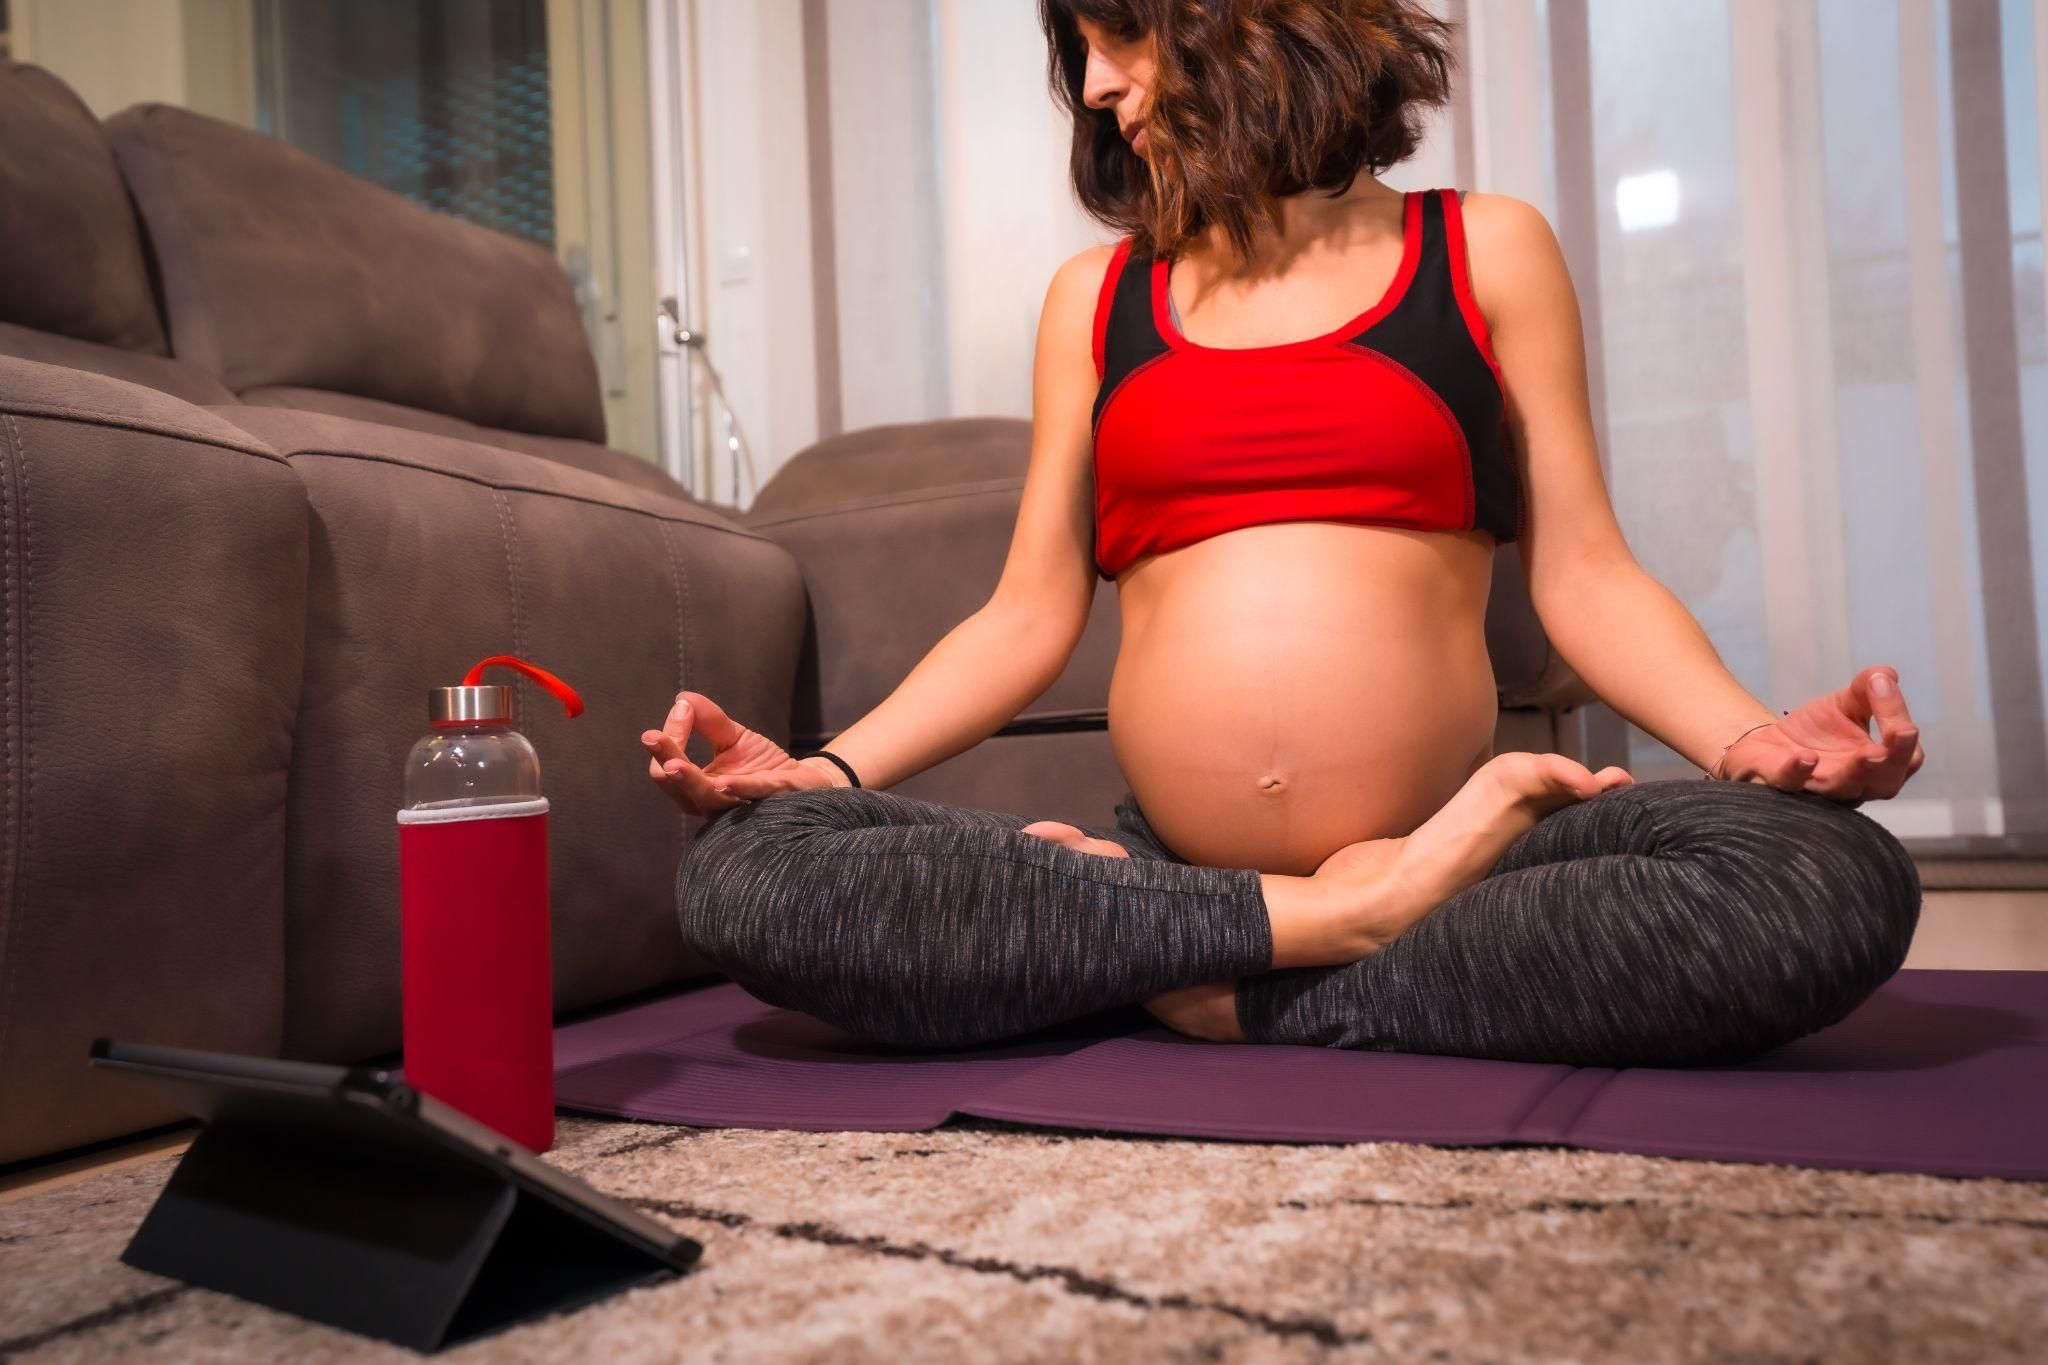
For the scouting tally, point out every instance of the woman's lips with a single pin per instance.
(1138, 140)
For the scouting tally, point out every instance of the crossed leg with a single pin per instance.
(1660, 923)
(1404, 878)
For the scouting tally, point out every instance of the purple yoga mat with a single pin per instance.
(1940, 1072)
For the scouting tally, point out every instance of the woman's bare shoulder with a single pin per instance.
(1513, 257)
(1081, 274)
(1504, 221)
(1070, 298)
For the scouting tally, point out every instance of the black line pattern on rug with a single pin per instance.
(907, 1151)
(1322, 1330)
(104, 1317)
(1666, 1206)
(651, 1144)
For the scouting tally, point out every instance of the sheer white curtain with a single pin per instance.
(1806, 236)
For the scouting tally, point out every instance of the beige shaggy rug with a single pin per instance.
(985, 1241)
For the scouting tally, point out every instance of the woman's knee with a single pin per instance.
(731, 882)
(1830, 867)
(1714, 838)
(1795, 907)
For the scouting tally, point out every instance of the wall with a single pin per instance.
(195, 53)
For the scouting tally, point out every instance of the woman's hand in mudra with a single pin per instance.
(1825, 746)
(745, 764)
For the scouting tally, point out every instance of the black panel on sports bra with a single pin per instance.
(1131, 340)
(1427, 333)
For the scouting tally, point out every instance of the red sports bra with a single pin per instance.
(1395, 418)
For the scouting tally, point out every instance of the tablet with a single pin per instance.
(217, 1085)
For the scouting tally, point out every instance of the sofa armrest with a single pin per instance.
(152, 600)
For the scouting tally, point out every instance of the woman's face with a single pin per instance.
(1119, 77)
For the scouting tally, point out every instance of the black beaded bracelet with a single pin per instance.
(844, 766)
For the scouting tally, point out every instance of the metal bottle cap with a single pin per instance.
(478, 704)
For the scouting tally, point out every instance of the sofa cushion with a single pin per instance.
(70, 250)
(598, 459)
(159, 372)
(1527, 669)
(430, 553)
(278, 268)
(899, 457)
(152, 611)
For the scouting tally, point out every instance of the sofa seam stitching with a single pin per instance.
(743, 532)
(505, 534)
(17, 585)
(98, 417)
(966, 490)
(675, 584)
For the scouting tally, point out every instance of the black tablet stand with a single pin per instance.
(366, 1222)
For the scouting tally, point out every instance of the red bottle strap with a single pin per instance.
(558, 689)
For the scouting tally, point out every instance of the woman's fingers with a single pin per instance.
(679, 719)
(711, 721)
(697, 787)
(1774, 760)
(678, 776)
(1788, 766)
(665, 750)
(752, 786)
(669, 762)
(1888, 701)
(1897, 733)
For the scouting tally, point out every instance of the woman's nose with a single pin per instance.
(1103, 85)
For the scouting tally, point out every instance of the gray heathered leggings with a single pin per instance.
(1668, 923)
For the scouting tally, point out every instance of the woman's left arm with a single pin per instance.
(1623, 632)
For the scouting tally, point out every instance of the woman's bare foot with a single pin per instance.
(1381, 886)
(1207, 1011)
(1364, 895)
(1053, 831)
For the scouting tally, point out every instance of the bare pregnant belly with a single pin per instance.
(1284, 690)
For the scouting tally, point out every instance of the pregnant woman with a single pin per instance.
(1290, 412)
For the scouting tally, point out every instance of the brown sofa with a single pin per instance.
(278, 451)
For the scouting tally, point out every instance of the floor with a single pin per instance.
(983, 1241)
(1982, 930)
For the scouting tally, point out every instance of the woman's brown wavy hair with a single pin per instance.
(1253, 101)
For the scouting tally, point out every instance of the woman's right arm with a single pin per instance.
(999, 660)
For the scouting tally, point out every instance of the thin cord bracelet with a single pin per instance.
(844, 766)
(1714, 773)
